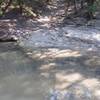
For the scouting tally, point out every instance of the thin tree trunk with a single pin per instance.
(67, 4)
(9, 3)
(75, 6)
(20, 3)
(90, 3)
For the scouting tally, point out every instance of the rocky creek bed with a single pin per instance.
(59, 63)
(50, 62)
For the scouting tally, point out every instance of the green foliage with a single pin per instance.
(30, 5)
(92, 8)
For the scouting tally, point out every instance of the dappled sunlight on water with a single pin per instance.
(97, 36)
(56, 53)
(94, 61)
(47, 66)
(36, 74)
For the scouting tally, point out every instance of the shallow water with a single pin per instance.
(48, 74)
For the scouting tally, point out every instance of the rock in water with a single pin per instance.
(78, 92)
(6, 37)
(74, 92)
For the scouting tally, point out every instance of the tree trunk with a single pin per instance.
(20, 3)
(9, 3)
(90, 3)
(75, 6)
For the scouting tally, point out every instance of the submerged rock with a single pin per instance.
(74, 92)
